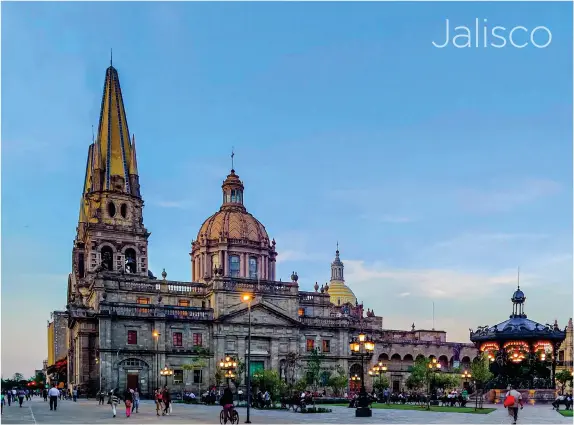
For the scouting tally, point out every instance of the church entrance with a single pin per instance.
(133, 380)
(256, 366)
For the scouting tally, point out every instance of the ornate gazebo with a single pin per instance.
(519, 341)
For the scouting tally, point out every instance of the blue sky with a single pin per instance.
(439, 171)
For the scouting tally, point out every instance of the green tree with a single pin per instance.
(419, 375)
(338, 382)
(563, 377)
(300, 385)
(480, 370)
(239, 373)
(218, 376)
(381, 382)
(18, 377)
(196, 364)
(314, 366)
(268, 380)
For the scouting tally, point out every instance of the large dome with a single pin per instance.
(233, 223)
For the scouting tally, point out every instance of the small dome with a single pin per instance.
(518, 296)
(340, 294)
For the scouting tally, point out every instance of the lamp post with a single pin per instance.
(362, 346)
(100, 373)
(466, 375)
(156, 335)
(248, 298)
(432, 368)
(228, 365)
(166, 372)
(377, 370)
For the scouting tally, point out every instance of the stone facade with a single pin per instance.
(125, 325)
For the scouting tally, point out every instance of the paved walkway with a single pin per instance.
(88, 412)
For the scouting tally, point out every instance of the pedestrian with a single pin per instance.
(166, 397)
(136, 400)
(60, 394)
(75, 393)
(101, 396)
(9, 397)
(114, 400)
(2, 402)
(21, 395)
(45, 394)
(512, 400)
(128, 401)
(158, 397)
(54, 393)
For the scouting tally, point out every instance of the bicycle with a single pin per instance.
(234, 416)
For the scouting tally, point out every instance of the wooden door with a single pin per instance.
(133, 381)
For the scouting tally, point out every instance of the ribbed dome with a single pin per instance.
(341, 294)
(233, 224)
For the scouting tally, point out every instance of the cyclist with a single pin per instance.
(227, 402)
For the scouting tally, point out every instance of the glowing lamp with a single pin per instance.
(362, 337)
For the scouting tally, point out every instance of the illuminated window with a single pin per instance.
(310, 344)
(234, 265)
(177, 339)
(197, 340)
(143, 300)
(183, 303)
(301, 312)
(326, 346)
(214, 261)
(132, 337)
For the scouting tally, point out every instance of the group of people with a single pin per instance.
(565, 399)
(130, 397)
(162, 401)
(15, 395)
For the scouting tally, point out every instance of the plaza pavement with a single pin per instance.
(88, 412)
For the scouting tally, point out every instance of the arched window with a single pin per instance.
(107, 258)
(214, 261)
(234, 265)
(81, 266)
(252, 267)
(131, 264)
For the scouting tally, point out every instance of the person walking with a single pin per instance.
(128, 401)
(75, 394)
(158, 397)
(54, 393)
(114, 400)
(166, 397)
(101, 396)
(512, 400)
(21, 395)
(45, 394)
(136, 400)
(9, 397)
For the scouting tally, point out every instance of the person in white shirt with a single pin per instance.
(54, 393)
(513, 410)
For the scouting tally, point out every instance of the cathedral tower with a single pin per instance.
(339, 292)
(110, 233)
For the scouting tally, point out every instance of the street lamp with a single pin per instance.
(247, 298)
(362, 346)
(378, 370)
(156, 335)
(100, 371)
(228, 365)
(433, 366)
(166, 372)
(466, 376)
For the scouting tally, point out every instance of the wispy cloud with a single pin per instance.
(404, 294)
(505, 197)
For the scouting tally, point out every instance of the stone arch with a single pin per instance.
(420, 357)
(107, 256)
(396, 357)
(355, 369)
(133, 369)
(465, 362)
(408, 360)
(383, 357)
(130, 261)
(443, 360)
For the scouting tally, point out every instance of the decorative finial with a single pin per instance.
(413, 326)
(93, 137)
(111, 58)
(232, 155)
(322, 289)
(316, 286)
(326, 287)
(519, 277)
(163, 274)
(337, 246)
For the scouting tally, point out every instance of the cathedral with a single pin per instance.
(125, 326)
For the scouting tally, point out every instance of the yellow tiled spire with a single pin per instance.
(87, 185)
(114, 154)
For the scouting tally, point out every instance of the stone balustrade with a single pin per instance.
(324, 322)
(150, 310)
(159, 286)
(254, 286)
(315, 298)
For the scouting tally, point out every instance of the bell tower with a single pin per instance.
(111, 235)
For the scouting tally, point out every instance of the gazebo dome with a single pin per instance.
(518, 296)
